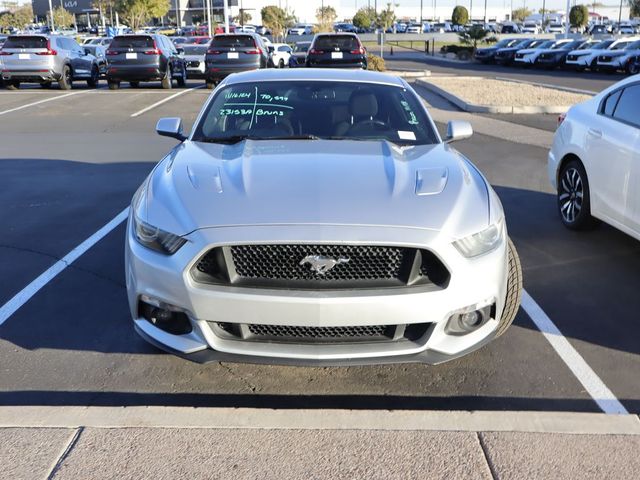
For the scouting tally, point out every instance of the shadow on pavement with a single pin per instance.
(368, 402)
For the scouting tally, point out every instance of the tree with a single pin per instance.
(277, 20)
(386, 17)
(579, 16)
(136, 13)
(520, 14)
(474, 35)
(6, 21)
(23, 16)
(635, 8)
(365, 17)
(243, 17)
(460, 15)
(325, 16)
(62, 18)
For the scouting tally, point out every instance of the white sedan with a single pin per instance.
(595, 160)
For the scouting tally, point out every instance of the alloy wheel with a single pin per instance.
(571, 195)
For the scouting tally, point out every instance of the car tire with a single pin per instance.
(167, 80)
(113, 85)
(633, 68)
(66, 79)
(281, 63)
(514, 290)
(95, 77)
(182, 79)
(134, 84)
(211, 84)
(573, 197)
(12, 85)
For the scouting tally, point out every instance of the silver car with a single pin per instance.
(46, 59)
(317, 217)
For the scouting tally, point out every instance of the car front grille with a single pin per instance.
(255, 332)
(193, 64)
(604, 58)
(307, 266)
(519, 55)
(572, 57)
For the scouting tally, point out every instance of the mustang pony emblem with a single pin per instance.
(321, 264)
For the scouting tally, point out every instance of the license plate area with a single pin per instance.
(24, 56)
(336, 56)
(233, 55)
(131, 56)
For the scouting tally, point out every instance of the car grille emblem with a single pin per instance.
(321, 264)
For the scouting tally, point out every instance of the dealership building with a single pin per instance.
(191, 11)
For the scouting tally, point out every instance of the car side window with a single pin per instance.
(628, 106)
(609, 104)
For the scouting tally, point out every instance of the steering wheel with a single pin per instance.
(376, 124)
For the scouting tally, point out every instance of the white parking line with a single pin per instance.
(165, 100)
(57, 97)
(34, 287)
(600, 393)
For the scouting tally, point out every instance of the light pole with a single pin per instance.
(544, 12)
(178, 22)
(53, 27)
(485, 12)
(471, 11)
(226, 16)
(620, 13)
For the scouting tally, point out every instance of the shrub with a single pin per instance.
(456, 49)
(375, 63)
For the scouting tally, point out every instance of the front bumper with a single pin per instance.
(167, 279)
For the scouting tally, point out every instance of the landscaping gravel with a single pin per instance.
(484, 91)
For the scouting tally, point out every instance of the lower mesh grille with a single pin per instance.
(318, 332)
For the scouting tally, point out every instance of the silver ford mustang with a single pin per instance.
(316, 217)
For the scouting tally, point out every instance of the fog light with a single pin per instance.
(469, 319)
(166, 317)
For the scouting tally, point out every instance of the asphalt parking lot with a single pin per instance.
(70, 163)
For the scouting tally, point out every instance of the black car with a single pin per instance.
(487, 55)
(299, 54)
(336, 50)
(555, 57)
(144, 58)
(235, 52)
(505, 56)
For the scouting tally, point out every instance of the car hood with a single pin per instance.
(553, 50)
(586, 51)
(487, 50)
(316, 182)
(527, 51)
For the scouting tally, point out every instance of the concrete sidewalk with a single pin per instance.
(184, 442)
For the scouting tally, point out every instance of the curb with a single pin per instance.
(473, 108)
(409, 73)
(255, 418)
(548, 85)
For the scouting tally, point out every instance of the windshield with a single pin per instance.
(620, 46)
(315, 110)
(342, 42)
(601, 46)
(633, 46)
(570, 45)
(25, 42)
(504, 43)
(301, 47)
(133, 41)
(230, 41)
(547, 44)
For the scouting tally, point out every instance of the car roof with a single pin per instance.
(311, 74)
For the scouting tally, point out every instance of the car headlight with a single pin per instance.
(481, 242)
(155, 238)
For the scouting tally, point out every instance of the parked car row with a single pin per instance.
(597, 55)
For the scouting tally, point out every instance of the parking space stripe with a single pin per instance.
(165, 100)
(34, 287)
(57, 97)
(600, 393)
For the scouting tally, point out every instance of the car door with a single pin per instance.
(84, 61)
(626, 114)
(609, 149)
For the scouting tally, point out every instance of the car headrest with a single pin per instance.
(363, 103)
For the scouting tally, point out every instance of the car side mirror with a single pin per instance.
(170, 127)
(271, 49)
(458, 130)
(87, 51)
(180, 51)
